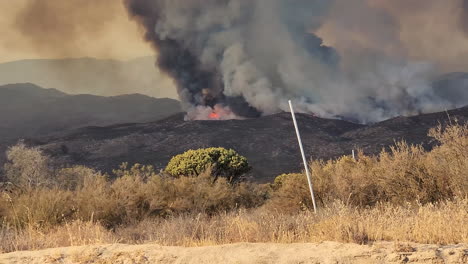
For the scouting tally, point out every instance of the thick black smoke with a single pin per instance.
(197, 84)
(251, 56)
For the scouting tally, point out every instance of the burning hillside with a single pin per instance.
(217, 112)
(269, 142)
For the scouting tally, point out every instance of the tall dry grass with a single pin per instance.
(77, 233)
(337, 222)
(406, 173)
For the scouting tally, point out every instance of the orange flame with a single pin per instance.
(214, 115)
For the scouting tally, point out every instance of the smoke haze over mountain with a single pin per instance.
(364, 60)
(349, 58)
(103, 77)
(77, 46)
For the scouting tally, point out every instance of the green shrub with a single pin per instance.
(222, 162)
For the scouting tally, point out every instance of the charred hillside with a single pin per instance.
(269, 142)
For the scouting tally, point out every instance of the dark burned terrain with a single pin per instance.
(269, 142)
(27, 110)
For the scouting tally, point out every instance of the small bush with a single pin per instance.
(27, 167)
(290, 193)
(94, 200)
(38, 208)
(76, 177)
(279, 180)
(222, 162)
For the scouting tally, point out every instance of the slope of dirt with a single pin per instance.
(269, 142)
(327, 252)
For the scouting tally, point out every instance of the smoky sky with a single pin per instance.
(65, 29)
(464, 15)
(71, 28)
(360, 59)
(62, 23)
(343, 58)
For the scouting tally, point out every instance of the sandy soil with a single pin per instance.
(327, 252)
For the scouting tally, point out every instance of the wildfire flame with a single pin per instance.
(214, 115)
(218, 112)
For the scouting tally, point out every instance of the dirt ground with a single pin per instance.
(326, 252)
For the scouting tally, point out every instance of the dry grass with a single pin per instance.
(77, 233)
(404, 174)
(137, 194)
(407, 194)
(421, 224)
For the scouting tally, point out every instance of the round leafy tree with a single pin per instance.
(222, 162)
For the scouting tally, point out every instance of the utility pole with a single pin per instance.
(306, 166)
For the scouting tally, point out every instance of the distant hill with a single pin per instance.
(102, 77)
(27, 110)
(269, 142)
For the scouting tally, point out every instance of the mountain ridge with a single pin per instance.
(104, 77)
(269, 142)
(28, 110)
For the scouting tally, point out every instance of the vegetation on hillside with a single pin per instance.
(405, 194)
(405, 174)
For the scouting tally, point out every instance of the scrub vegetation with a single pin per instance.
(404, 194)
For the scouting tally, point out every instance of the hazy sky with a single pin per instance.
(68, 28)
(101, 28)
(50, 29)
(427, 30)
(420, 30)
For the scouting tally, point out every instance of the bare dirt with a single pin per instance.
(326, 252)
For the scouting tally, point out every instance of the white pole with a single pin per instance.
(309, 179)
(354, 155)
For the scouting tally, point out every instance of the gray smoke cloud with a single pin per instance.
(250, 57)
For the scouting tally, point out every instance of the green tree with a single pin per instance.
(222, 162)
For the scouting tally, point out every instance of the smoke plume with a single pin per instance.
(250, 57)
